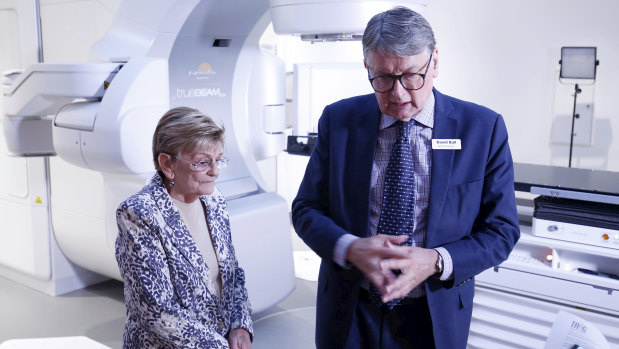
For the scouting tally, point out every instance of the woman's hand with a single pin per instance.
(239, 339)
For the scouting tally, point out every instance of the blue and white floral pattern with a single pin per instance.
(171, 300)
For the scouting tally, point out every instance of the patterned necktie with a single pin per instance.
(396, 216)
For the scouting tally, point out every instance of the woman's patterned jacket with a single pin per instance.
(170, 299)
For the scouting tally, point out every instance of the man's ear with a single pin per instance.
(165, 162)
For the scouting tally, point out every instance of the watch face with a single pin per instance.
(439, 263)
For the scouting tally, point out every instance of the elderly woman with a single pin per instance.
(183, 285)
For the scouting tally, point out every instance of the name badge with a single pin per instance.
(449, 144)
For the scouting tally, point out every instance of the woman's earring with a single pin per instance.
(171, 184)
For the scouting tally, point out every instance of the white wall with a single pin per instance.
(71, 27)
(8, 39)
(505, 54)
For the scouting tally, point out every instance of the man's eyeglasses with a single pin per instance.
(410, 81)
(205, 165)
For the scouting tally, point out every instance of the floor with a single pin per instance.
(98, 312)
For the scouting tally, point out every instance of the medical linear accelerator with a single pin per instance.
(100, 116)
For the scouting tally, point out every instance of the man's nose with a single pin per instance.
(398, 88)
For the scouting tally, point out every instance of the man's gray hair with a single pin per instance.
(184, 128)
(398, 32)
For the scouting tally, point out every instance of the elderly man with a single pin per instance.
(406, 197)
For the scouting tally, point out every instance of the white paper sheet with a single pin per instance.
(572, 332)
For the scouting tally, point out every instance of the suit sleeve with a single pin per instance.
(495, 230)
(148, 287)
(310, 208)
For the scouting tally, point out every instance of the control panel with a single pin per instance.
(576, 233)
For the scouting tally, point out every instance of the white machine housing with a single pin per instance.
(347, 18)
(99, 117)
(517, 301)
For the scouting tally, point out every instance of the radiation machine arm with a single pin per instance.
(41, 90)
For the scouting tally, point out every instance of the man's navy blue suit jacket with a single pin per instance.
(472, 211)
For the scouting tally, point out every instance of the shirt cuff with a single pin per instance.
(448, 266)
(341, 248)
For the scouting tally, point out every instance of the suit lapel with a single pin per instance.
(365, 135)
(445, 127)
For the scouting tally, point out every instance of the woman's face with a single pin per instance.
(190, 184)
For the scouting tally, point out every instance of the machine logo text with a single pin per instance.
(199, 92)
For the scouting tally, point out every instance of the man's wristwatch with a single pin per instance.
(439, 265)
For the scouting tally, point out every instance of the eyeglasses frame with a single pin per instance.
(193, 165)
(399, 78)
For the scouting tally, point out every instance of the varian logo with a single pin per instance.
(204, 71)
